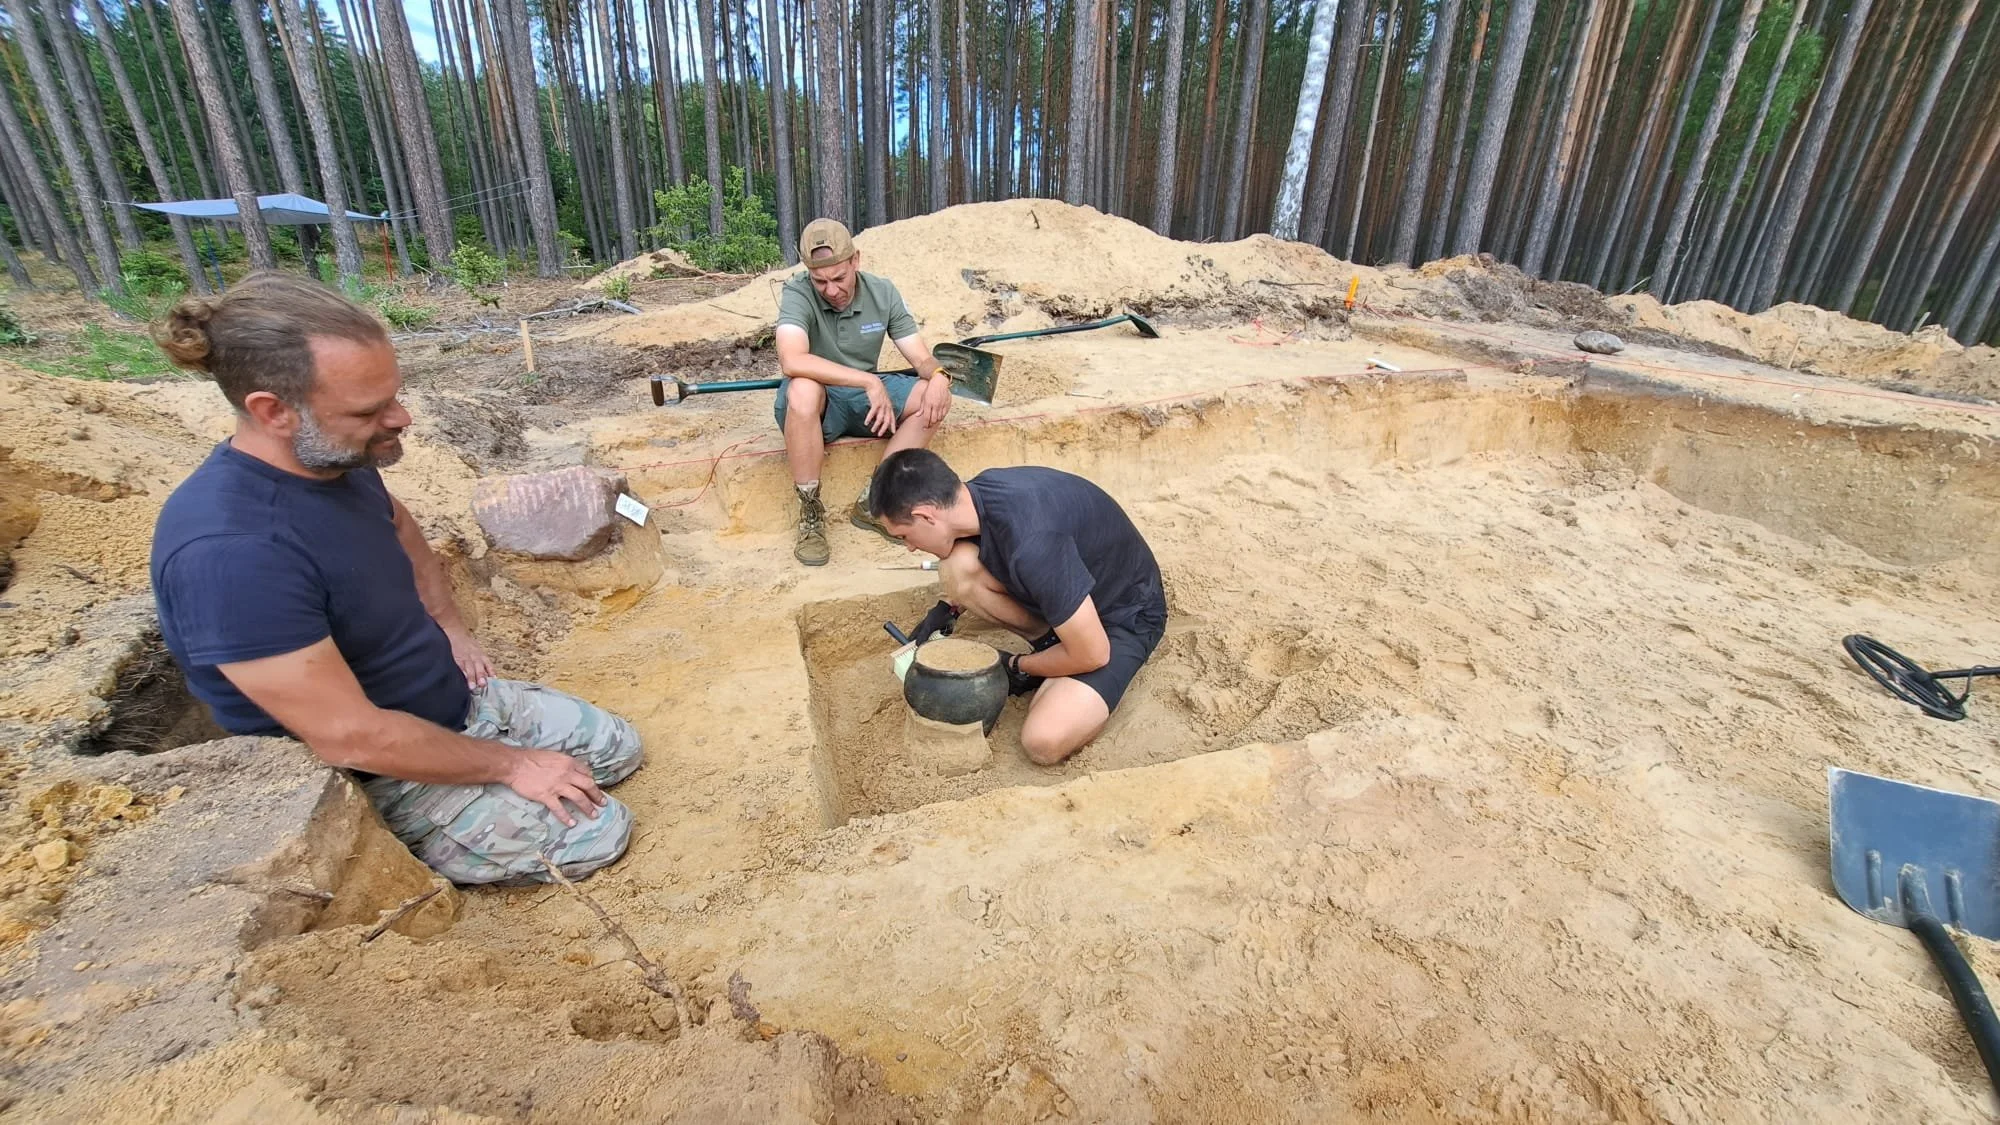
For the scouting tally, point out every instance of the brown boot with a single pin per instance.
(811, 547)
(866, 522)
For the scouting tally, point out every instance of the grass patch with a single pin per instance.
(96, 353)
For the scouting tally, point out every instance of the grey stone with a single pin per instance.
(1602, 343)
(565, 514)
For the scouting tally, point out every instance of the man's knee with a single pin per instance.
(506, 843)
(1047, 748)
(805, 397)
(616, 753)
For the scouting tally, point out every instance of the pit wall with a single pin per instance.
(1905, 495)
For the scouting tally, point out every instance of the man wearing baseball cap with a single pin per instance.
(831, 322)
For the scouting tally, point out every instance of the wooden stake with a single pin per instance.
(528, 347)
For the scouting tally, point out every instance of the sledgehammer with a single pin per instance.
(682, 388)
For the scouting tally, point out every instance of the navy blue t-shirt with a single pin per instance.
(1054, 539)
(251, 561)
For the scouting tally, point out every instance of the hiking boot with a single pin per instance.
(811, 547)
(866, 522)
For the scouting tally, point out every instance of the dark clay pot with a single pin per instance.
(957, 698)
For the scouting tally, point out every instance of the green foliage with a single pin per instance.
(98, 353)
(619, 288)
(13, 334)
(749, 241)
(1800, 74)
(153, 282)
(388, 303)
(473, 266)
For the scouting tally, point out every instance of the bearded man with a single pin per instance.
(299, 597)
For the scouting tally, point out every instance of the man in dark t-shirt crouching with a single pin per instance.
(299, 597)
(1052, 558)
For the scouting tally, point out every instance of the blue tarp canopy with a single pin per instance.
(287, 209)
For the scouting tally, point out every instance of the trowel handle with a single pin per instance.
(1973, 1006)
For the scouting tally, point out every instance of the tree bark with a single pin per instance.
(83, 183)
(1204, 172)
(1493, 130)
(1312, 91)
(1791, 204)
(1257, 25)
(1670, 244)
(1082, 75)
(1164, 178)
(1966, 319)
(16, 272)
(413, 125)
(624, 217)
(1383, 70)
(1964, 186)
(346, 247)
(514, 33)
(1634, 256)
(36, 182)
(1416, 185)
(1549, 198)
(829, 154)
(257, 52)
(1858, 257)
(194, 147)
(1441, 226)
(1611, 235)
(779, 90)
(149, 151)
(90, 114)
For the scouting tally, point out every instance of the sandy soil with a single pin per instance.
(1480, 775)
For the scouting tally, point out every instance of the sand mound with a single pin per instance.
(653, 263)
(1029, 263)
(1827, 343)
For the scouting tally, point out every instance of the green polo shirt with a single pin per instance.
(851, 337)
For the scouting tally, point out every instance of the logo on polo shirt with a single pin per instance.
(868, 329)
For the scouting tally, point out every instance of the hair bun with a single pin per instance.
(183, 335)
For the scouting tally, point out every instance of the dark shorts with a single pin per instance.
(1132, 643)
(846, 413)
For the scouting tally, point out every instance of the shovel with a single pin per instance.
(1897, 848)
(1144, 326)
(974, 375)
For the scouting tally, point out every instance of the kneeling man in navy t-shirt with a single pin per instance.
(1052, 558)
(300, 598)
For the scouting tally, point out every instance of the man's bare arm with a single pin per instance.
(1082, 646)
(919, 354)
(432, 585)
(312, 693)
(795, 359)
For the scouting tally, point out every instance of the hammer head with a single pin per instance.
(661, 383)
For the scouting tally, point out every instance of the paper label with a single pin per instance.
(631, 509)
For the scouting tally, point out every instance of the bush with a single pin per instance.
(152, 270)
(619, 288)
(405, 316)
(472, 267)
(101, 354)
(12, 333)
(749, 242)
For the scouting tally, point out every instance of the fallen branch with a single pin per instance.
(396, 915)
(655, 977)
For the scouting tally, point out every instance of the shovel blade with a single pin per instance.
(1882, 829)
(975, 374)
(1144, 326)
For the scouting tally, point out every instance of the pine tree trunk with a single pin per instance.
(1455, 151)
(961, 116)
(1964, 187)
(257, 51)
(1164, 178)
(1791, 204)
(82, 181)
(1634, 255)
(346, 247)
(1851, 156)
(1670, 244)
(1493, 130)
(413, 126)
(1549, 198)
(1966, 319)
(1590, 159)
(16, 272)
(829, 155)
(624, 219)
(1858, 257)
(193, 145)
(1082, 72)
(1312, 92)
(779, 89)
(1416, 185)
(934, 103)
(1204, 171)
(513, 30)
(873, 144)
(22, 163)
(381, 136)
(711, 95)
(1611, 233)
(149, 151)
(1257, 25)
(90, 114)
(1697, 284)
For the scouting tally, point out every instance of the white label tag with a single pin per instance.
(631, 509)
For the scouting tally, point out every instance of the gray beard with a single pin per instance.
(318, 452)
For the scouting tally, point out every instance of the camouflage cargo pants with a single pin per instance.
(491, 834)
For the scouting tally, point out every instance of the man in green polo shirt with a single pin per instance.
(831, 323)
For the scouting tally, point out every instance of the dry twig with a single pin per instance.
(655, 977)
(396, 915)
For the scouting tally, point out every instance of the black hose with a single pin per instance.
(1973, 1006)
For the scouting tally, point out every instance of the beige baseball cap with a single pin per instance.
(825, 242)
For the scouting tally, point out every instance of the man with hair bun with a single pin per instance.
(1053, 559)
(299, 597)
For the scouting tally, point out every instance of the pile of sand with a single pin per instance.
(653, 263)
(1813, 339)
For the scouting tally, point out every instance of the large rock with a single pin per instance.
(566, 514)
(1602, 343)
